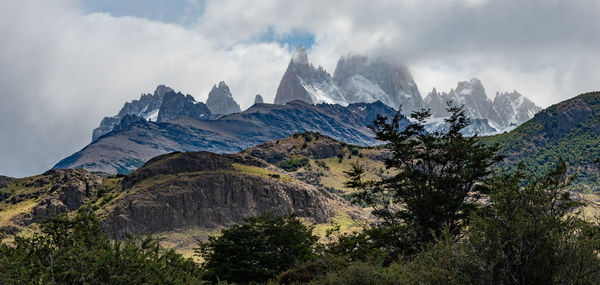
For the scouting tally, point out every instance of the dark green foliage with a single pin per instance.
(528, 234)
(436, 185)
(258, 250)
(74, 251)
(293, 164)
(4, 195)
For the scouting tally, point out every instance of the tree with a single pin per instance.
(257, 250)
(74, 251)
(436, 183)
(529, 232)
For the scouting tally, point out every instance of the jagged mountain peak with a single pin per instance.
(146, 107)
(505, 111)
(302, 81)
(367, 79)
(220, 100)
(300, 55)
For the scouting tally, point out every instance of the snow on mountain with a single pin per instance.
(507, 109)
(302, 81)
(146, 107)
(514, 108)
(364, 79)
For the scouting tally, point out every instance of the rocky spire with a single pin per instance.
(258, 99)
(220, 100)
(302, 81)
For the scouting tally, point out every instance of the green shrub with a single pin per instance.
(293, 164)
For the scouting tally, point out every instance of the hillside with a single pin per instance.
(570, 129)
(135, 140)
(181, 197)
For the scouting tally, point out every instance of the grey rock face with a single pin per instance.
(364, 79)
(70, 188)
(514, 108)
(209, 198)
(177, 105)
(302, 81)
(220, 100)
(508, 109)
(146, 107)
(258, 99)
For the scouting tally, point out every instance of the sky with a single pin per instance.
(66, 64)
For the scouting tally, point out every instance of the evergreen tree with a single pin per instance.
(436, 183)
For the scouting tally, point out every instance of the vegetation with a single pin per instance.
(446, 214)
(74, 251)
(258, 250)
(294, 163)
(436, 185)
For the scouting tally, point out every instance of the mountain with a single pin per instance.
(568, 130)
(182, 197)
(302, 81)
(514, 108)
(356, 79)
(507, 109)
(136, 142)
(147, 107)
(175, 105)
(364, 79)
(258, 99)
(220, 100)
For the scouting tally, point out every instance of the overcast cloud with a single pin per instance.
(63, 66)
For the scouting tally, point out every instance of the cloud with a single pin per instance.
(62, 70)
(62, 67)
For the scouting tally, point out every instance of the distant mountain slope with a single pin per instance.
(570, 129)
(135, 141)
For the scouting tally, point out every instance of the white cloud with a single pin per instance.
(62, 70)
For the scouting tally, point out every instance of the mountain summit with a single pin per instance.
(506, 111)
(220, 100)
(364, 79)
(356, 79)
(302, 81)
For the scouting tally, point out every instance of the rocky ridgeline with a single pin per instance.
(507, 110)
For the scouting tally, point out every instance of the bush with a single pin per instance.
(293, 164)
(258, 250)
(74, 251)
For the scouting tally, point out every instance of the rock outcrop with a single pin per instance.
(178, 105)
(55, 192)
(258, 99)
(220, 101)
(206, 190)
